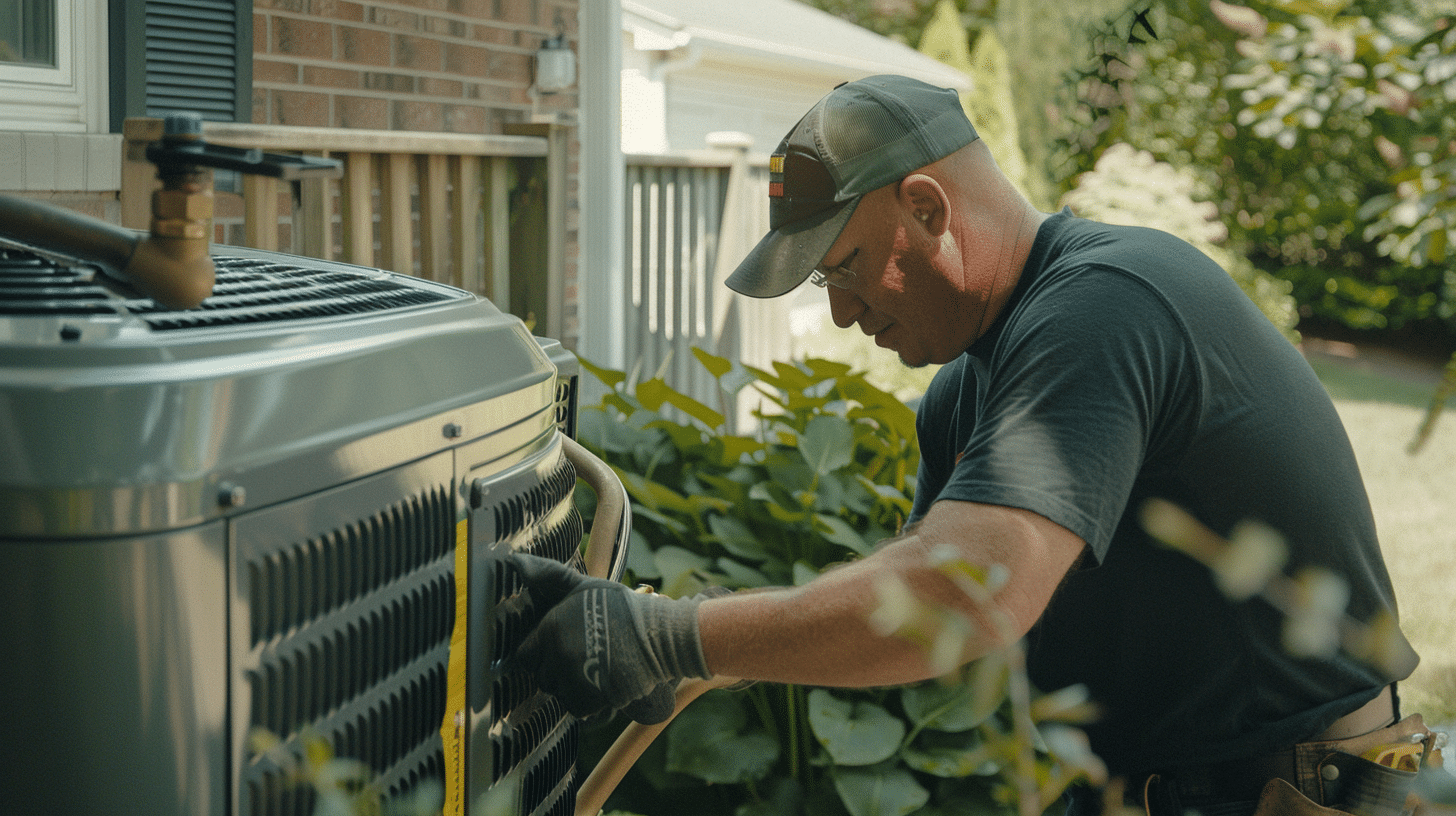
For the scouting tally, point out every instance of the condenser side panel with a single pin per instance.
(523, 744)
(343, 605)
(113, 680)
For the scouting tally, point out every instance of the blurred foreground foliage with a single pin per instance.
(827, 474)
(317, 781)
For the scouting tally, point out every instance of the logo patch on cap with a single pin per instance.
(776, 175)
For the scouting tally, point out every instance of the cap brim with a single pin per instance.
(786, 256)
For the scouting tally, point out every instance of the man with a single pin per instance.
(1087, 370)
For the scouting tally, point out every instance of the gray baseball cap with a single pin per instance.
(861, 136)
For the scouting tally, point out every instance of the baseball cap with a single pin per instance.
(861, 136)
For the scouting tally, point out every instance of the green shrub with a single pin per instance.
(1129, 186)
(828, 474)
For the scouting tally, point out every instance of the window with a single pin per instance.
(52, 65)
(28, 33)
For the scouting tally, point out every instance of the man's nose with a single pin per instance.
(844, 306)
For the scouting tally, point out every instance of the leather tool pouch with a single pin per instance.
(1333, 778)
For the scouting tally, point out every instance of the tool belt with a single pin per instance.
(1356, 766)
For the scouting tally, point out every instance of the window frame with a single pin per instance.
(69, 98)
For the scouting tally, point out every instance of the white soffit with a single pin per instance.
(778, 33)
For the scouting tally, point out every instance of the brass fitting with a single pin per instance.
(174, 263)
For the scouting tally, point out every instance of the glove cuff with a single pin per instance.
(671, 627)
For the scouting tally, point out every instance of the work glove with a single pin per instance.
(601, 647)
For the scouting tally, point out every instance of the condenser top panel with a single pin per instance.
(118, 415)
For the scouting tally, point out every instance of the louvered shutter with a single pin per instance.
(192, 58)
(176, 55)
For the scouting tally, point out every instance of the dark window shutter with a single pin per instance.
(192, 58)
(176, 55)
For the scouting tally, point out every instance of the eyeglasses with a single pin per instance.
(840, 277)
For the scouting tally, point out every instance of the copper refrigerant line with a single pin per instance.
(172, 264)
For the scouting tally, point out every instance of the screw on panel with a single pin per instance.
(452, 430)
(231, 495)
(70, 332)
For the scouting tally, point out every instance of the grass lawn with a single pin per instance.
(1414, 501)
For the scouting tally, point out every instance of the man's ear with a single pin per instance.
(926, 200)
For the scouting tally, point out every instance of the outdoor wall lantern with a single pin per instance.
(555, 65)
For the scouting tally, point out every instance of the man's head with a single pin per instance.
(863, 136)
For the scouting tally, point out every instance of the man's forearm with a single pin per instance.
(820, 634)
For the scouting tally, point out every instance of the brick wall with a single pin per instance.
(458, 66)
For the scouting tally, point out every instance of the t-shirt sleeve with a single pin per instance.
(1074, 397)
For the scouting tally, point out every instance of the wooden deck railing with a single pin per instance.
(441, 206)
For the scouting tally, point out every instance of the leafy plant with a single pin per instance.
(1128, 186)
(1308, 63)
(828, 474)
(334, 785)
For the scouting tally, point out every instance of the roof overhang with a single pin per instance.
(858, 51)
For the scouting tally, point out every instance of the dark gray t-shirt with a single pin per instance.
(1129, 366)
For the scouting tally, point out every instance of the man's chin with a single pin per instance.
(912, 363)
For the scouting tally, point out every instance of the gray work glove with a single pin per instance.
(601, 647)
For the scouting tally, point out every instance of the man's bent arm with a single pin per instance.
(820, 633)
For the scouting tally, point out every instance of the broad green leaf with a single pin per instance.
(785, 798)
(956, 706)
(620, 402)
(732, 449)
(607, 433)
(826, 368)
(655, 392)
(790, 377)
(639, 558)
(827, 444)
(951, 763)
(702, 413)
(838, 531)
(888, 494)
(700, 504)
(761, 374)
(735, 537)
(684, 437)
(854, 733)
(729, 488)
(779, 505)
(803, 573)
(717, 366)
(653, 494)
(803, 403)
(678, 567)
(738, 576)
(652, 394)
(676, 526)
(879, 790)
(736, 380)
(829, 493)
(785, 515)
(790, 472)
(853, 494)
(611, 379)
(713, 740)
